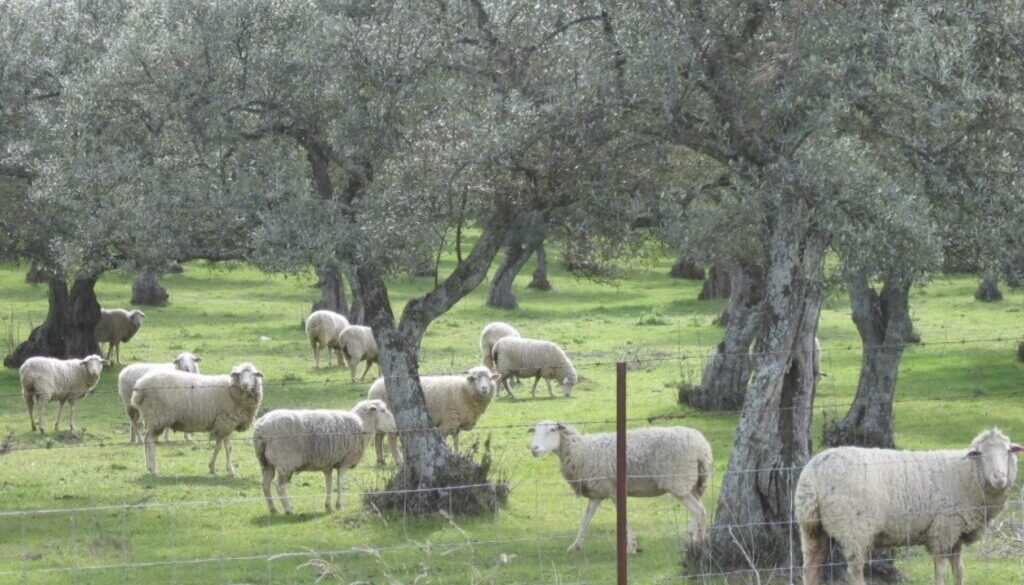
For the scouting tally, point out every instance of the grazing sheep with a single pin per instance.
(289, 441)
(323, 328)
(490, 335)
(44, 379)
(522, 358)
(117, 326)
(185, 362)
(187, 402)
(357, 344)
(675, 460)
(454, 404)
(866, 498)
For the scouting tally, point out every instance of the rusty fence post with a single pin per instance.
(620, 472)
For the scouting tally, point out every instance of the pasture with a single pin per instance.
(81, 508)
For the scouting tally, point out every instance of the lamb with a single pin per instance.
(192, 403)
(675, 460)
(454, 404)
(323, 328)
(117, 326)
(185, 362)
(490, 335)
(44, 379)
(521, 357)
(357, 344)
(289, 441)
(866, 498)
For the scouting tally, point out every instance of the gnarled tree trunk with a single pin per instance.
(332, 291)
(753, 522)
(716, 285)
(883, 321)
(69, 329)
(724, 383)
(499, 294)
(540, 273)
(988, 289)
(146, 290)
(686, 268)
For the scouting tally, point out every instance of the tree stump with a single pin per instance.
(146, 290)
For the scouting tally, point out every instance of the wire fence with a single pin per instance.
(189, 527)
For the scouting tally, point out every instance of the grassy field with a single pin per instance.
(82, 509)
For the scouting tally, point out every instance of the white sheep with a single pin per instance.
(490, 335)
(454, 404)
(322, 329)
(44, 379)
(331, 441)
(866, 498)
(522, 358)
(357, 344)
(193, 403)
(185, 362)
(660, 460)
(117, 326)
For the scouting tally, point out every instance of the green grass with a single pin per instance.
(220, 528)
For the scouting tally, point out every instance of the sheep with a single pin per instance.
(675, 460)
(116, 326)
(322, 329)
(192, 403)
(357, 344)
(490, 335)
(289, 441)
(185, 362)
(44, 379)
(454, 404)
(521, 357)
(865, 498)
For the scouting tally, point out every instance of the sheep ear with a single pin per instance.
(531, 430)
(974, 453)
(197, 359)
(258, 374)
(560, 427)
(105, 361)
(1015, 448)
(495, 376)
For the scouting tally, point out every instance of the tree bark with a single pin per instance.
(716, 285)
(773, 440)
(357, 312)
(687, 269)
(500, 295)
(724, 383)
(540, 273)
(988, 289)
(36, 274)
(332, 291)
(69, 329)
(146, 290)
(883, 321)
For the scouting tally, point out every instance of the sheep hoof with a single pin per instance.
(573, 547)
(288, 512)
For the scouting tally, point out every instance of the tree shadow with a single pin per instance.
(285, 519)
(198, 480)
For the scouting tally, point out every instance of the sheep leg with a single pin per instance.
(60, 409)
(328, 483)
(74, 409)
(940, 568)
(368, 365)
(855, 566)
(815, 551)
(216, 449)
(378, 446)
(41, 403)
(268, 477)
(393, 444)
(316, 355)
(353, 365)
(227, 455)
(505, 384)
(536, 380)
(550, 393)
(282, 491)
(167, 434)
(698, 515)
(587, 515)
(30, 403)
(337, 501)
(151, 452)
(958, 566)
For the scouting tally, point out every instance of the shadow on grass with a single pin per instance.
(267, 519)
(198, 480)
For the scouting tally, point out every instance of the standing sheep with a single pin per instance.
(490, 335)
(866, 498)
(331, 441)
(357, 344)
(44, 379)
(675, 460)
(454, 404)
(117, 326)
(323, 328)
(522, 358)
(193, 403)
(185, 362)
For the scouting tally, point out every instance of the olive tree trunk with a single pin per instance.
(69, 329)
(988, 289)
(773, 439)
(687, 269)
(883, 321)
(540, 273)
(716, 285)
(500, 295)
(146, 290)
(332, 291)
(724, 383)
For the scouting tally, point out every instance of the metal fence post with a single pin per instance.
(620, 472)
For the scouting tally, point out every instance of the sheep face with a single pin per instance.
(385, 420)
(484, 381)
(996, 458)
(246, 377)
(547, 437)
(186, 362)
(94, 365)
(137, 317)
(568, 382)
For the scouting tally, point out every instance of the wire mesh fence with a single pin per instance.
(190, 527)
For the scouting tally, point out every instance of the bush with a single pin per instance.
(652, 317)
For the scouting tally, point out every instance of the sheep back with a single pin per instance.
(55, 379)
(452, 403)
(357, 342)
(308, 440)
(522, 357)
(324, 327)
(116, 326)
(490, 335)
(194, 403)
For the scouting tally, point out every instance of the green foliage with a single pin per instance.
(652, 317)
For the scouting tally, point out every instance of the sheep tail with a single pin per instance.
(260, 446)
(805, 504)
(703, 472)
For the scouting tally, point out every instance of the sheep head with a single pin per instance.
(547, 437)
(484, 381)
(246, 377)
(996, 458)
(187, 362)
(93, 365)
(137, 317)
